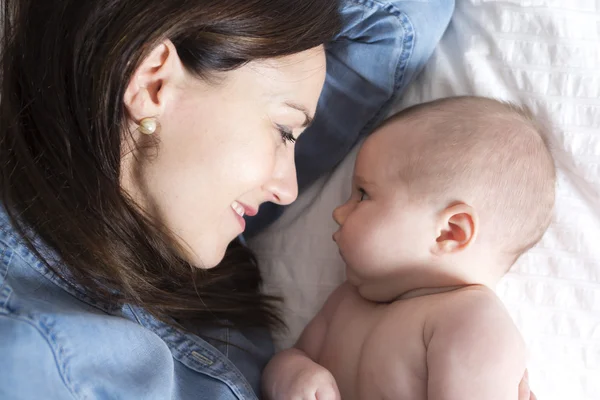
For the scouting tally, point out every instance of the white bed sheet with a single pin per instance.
(546, 54)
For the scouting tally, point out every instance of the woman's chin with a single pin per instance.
(208, 259)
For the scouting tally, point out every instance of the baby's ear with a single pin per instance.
(457, 228)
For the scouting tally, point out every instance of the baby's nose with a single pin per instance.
(339, 215)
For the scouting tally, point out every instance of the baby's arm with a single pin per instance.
(294, 373)
(474, 351)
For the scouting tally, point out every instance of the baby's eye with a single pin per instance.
(363, 194)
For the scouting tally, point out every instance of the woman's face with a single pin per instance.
(225, 145)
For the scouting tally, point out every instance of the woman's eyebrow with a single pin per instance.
(308, 119)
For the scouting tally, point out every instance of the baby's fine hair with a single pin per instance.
(489, 154)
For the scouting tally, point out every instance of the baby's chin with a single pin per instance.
(367, 290)
(373, 293)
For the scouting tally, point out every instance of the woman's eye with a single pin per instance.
(363, 194)
(286, 135)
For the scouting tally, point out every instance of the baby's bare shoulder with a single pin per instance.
(469, 302)
(474, 296)
(472, 334)
(441, 306)
(471, 309)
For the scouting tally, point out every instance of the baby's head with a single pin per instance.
(444, 194)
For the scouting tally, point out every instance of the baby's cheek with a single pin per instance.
(358, 240)
(365, 255)
(350, 243)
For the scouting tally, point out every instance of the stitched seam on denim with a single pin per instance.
(5, 293)
(230, 368)
(5, 290)
(5, 263)
(46, 333)
(408, 37)
(227, 342)
(137, 319)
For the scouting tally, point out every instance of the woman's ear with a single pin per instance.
(150, 86)
(457, 229)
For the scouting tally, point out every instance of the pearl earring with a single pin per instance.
(148, 126)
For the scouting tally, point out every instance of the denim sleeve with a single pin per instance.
(29, 367)
(382, 46)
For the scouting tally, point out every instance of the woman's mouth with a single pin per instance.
(241, 210)
(238, 208)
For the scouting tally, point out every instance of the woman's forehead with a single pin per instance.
(296, 79)
(303, 63)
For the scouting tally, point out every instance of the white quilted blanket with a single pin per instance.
(546, 54)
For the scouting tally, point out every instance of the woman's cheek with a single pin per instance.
(261, 166)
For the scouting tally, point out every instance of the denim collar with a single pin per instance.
(11, 238)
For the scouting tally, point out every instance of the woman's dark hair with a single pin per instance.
(65, 67)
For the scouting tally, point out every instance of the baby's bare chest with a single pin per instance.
(377, 351)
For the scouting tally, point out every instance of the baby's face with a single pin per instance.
(382, 234)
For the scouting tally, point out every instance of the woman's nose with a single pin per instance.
(283, 186)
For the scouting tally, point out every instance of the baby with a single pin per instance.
(445, 197)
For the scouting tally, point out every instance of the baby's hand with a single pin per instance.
(293, 376)
(312, 382)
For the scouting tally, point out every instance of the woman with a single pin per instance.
(134, 137)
